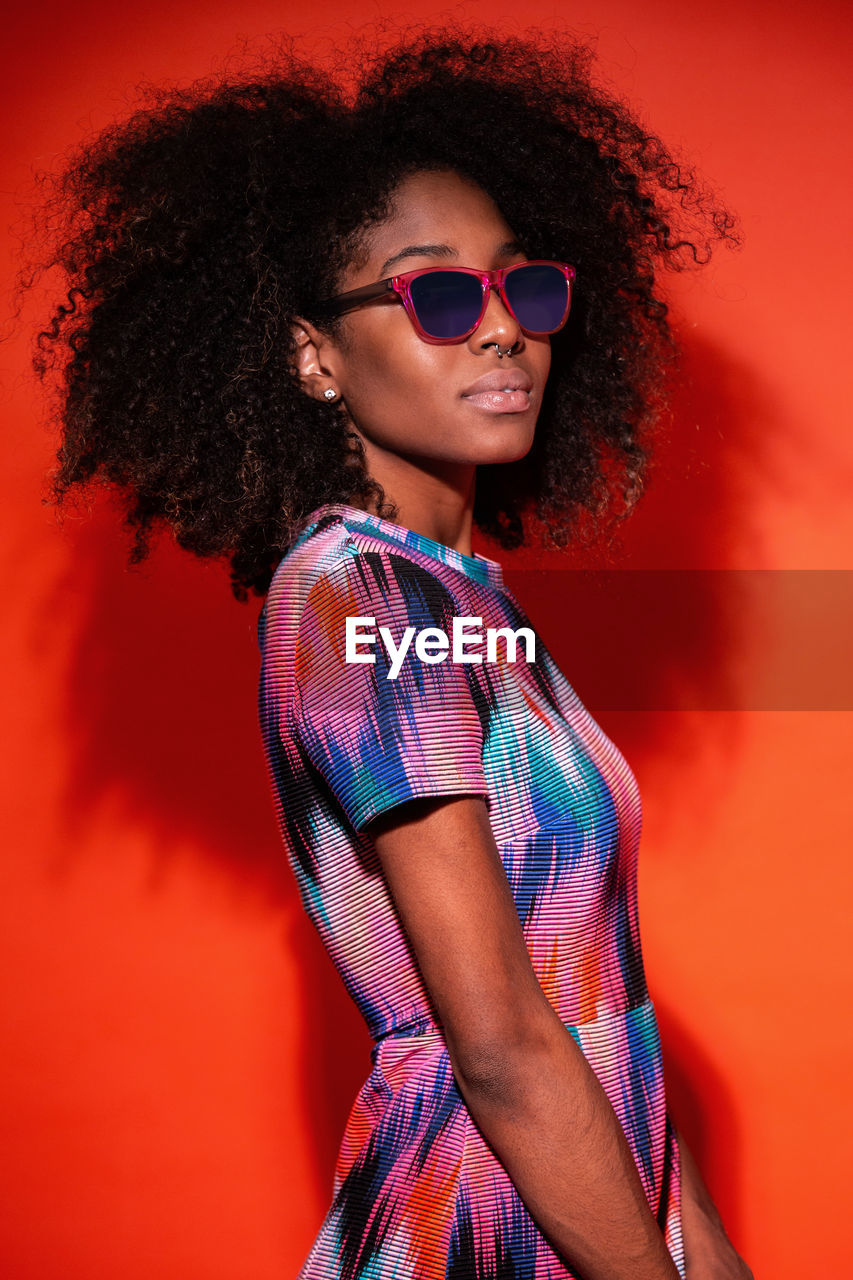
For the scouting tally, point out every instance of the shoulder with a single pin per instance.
(321, 559)
(339, 569)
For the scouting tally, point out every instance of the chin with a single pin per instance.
(514, 455)
(507, 446)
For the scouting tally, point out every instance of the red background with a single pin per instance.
(179, 1055)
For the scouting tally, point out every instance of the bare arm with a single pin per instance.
(525, 1081)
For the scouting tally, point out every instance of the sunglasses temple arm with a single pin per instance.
(353, 298)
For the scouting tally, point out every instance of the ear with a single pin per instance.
(315, 360)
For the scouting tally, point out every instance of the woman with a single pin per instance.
(323, 335)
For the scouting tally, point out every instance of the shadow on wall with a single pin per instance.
(161, 690)
(700, 1106)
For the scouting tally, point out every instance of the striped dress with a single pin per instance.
(418, 1193)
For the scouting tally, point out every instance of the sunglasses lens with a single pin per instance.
(539, 295)
(447, 303)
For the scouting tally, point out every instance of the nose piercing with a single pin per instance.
(501, 354)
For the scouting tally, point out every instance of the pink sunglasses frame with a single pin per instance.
(401, 287)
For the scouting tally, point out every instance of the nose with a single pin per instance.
(498, 325)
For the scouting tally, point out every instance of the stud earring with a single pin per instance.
(330, 393)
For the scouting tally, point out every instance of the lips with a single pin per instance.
(500, 380)
(501, 391)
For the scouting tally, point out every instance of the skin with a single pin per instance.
(526, 1083)
(403, 397)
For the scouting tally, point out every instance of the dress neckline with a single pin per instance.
(483, 569)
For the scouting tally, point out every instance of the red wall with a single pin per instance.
(179, 1057)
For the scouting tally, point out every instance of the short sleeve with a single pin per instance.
(380, 738)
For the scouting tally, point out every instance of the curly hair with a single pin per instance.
(194, 232)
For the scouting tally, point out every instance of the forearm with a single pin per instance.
(552, 1126)
(694, 1192)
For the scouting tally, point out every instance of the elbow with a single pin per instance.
(502, 1070)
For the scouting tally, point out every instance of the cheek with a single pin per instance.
(405, 373)
(540, 353)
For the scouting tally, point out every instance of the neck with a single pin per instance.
(435, 500)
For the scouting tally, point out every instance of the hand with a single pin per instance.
(708, 1252)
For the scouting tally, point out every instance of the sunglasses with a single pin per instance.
(446, 304)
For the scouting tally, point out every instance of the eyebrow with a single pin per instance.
(444, 251)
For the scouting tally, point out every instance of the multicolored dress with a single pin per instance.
(418, 1192)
